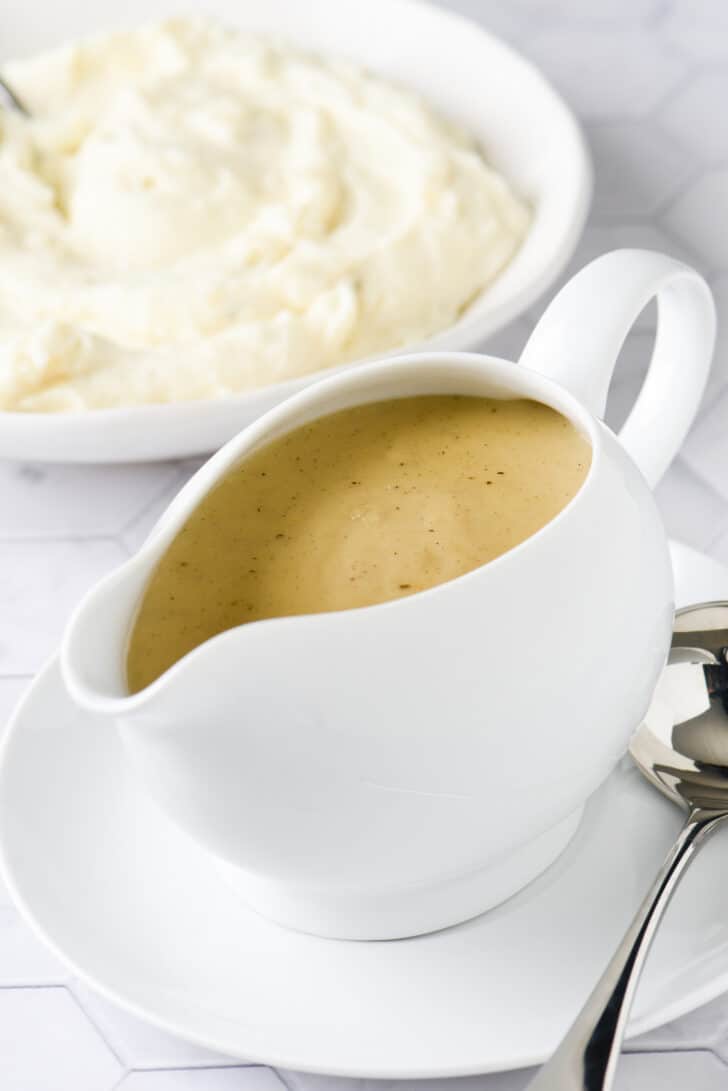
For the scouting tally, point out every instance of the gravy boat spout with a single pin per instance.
(93, 651)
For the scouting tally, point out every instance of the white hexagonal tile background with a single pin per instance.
(77, 501)
(698, 29)
(42, 582)
(696, 116)
(608, 71)
(649, 78)
(47, 1044)
(699, 216)
(637, 168)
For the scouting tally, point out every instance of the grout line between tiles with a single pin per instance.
(678, 1048)
(223, 1066)
(35, 986)
(288, 1084)
(92, 1022)
(63, 539)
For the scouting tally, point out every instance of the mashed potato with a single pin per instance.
(193, 211)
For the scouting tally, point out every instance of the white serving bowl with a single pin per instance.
(525, 128)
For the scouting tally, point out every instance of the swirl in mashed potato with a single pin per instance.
(193, 211)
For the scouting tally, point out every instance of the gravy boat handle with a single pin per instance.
(580, 334)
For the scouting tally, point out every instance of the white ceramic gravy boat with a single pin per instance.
(387, 771)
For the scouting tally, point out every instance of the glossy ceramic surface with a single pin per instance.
(142, 914)
(352, 770)
(535, 141)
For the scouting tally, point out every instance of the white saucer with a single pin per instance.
(145, 917)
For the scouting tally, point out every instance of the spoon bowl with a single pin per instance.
(682, 745)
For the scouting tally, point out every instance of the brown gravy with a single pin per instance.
(368, 504)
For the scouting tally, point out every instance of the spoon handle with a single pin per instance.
(587, 1056)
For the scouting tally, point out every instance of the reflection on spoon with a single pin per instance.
(682, 749)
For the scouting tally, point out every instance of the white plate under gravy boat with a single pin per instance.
(144, 916)
(526, 129)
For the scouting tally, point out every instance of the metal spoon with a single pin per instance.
(10, 100)
(682, 749)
